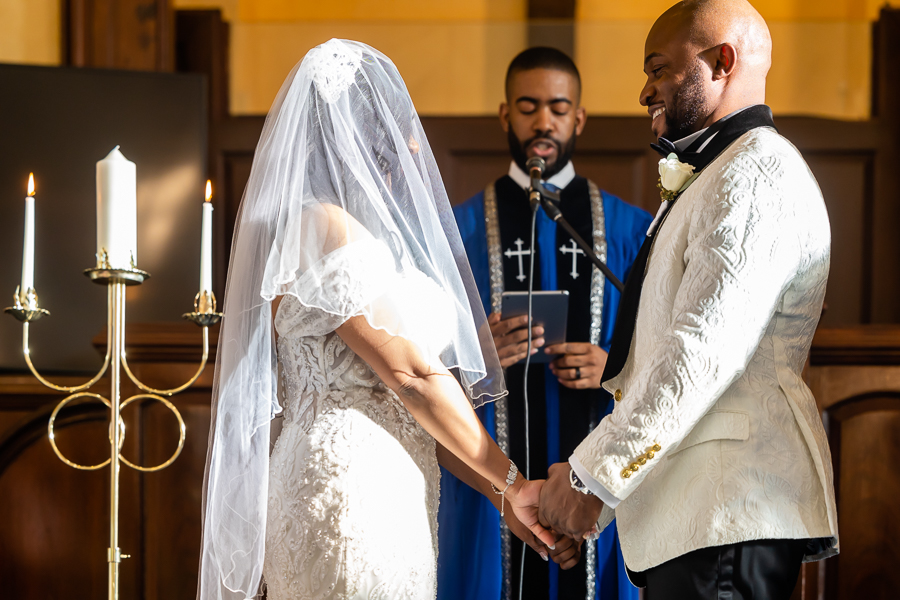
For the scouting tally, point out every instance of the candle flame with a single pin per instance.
(31, 184)
(208, 190)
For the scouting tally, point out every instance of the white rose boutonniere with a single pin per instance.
(673, 175)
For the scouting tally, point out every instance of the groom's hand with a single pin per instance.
(565, 510)
(567, 552)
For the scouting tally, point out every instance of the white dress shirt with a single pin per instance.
(560, 180)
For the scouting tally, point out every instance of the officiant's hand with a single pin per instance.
(511, 338)
(580, 366)
(566, 510)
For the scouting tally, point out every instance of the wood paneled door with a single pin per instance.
(855, 377)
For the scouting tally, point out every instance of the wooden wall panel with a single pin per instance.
(855, 376)
(861, 430)
(173, 499)
(54, 531)
(615, 153)
(845, 180)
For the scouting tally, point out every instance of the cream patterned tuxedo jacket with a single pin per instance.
(715, 438)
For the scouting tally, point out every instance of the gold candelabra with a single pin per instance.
(26, 310)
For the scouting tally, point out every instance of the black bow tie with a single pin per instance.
(729, 129)
(664, 147)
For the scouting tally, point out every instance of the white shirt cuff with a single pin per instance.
(592, 484)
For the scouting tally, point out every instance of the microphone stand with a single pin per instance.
(539, 195)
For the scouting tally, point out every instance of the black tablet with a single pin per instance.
(549, 309)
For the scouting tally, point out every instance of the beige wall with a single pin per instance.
(29, 32)
(453, 55)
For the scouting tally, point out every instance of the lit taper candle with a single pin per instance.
(206, 242)
(117, 210)
(28, 250)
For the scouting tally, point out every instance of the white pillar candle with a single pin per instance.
(28, 250)
(206, 243)
(117, 210)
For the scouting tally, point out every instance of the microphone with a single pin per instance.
(535, 166)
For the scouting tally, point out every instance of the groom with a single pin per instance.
(714, 461)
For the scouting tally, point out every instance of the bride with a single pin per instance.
(349, 302)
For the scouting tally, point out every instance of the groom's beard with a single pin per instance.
(688, 107)
(563, 152)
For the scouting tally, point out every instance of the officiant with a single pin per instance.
(542, 116)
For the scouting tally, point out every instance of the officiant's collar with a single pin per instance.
(685, 142)
(560, 180)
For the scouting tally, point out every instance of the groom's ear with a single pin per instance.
(723, 59)
(504, 116)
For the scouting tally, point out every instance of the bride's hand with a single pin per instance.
(524, 497)
(523, 533)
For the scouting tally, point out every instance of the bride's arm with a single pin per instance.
(433, 396)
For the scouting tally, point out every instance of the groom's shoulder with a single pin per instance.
(763, 142)
(763, 152)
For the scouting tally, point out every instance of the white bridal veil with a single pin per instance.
(342, 163)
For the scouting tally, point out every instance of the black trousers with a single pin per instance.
(756, 570)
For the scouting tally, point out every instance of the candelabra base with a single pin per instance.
(104, 276)
(203, 319)
(26, 315)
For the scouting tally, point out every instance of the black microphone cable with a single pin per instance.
(534, 212)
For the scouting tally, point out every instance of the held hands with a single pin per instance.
(580, 366)
(566, 553)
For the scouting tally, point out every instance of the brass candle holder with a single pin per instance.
(25, 306)
(26, 310)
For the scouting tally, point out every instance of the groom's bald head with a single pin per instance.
(704, 59)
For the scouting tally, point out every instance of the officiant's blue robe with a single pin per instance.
(469, 561)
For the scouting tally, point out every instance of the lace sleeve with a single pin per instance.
(361, 279)
(348, 279)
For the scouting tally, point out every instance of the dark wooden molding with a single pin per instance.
(118, 34)
(201, 46)
(861, 345)
(886, 209)
(552, 23)
(551, 9)
(164, 342)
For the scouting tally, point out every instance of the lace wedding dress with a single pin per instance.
(353, 478)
